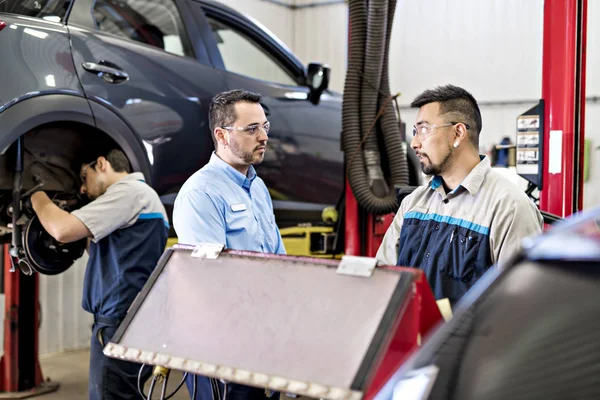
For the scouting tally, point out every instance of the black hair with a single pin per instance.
(221, 111)
(457, 101)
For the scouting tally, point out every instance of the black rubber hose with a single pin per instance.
(374, 54)
(389, 122)
(351, 137)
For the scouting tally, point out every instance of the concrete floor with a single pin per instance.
(70, 370)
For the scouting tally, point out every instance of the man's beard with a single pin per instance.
(437, 169)
(247, 156)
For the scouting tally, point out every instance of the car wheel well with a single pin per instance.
(59, 148)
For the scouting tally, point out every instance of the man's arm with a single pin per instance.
(388, 251)
(517, 221)
(61, 225)
(197, 219)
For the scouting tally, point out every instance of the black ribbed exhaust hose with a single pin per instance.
(388, 123)
(374, 53)
(351, 126)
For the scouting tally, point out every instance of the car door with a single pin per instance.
(303, 166)
(145, 60)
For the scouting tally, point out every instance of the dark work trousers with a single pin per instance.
(204, 390)
(111, 378)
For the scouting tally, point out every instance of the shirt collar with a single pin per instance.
(242, 180)
(473, 181)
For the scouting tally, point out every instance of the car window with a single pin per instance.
(50, 10)
(242, 56)
(153, 22)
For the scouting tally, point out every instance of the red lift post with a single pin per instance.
(563, 91)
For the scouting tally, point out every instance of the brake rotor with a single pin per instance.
(46, 255)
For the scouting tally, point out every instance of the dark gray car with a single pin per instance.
(140, 74)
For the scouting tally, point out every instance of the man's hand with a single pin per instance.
(61, 225)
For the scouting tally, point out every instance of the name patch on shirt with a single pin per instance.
(238, 207)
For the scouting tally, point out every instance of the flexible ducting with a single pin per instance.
(374, 52)
(367, 97)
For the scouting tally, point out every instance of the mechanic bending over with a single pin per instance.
(128, 228)
(226, 202)
(469, 216)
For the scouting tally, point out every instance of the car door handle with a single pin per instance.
(109, 74)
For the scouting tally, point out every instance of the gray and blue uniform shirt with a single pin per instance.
(456, 237)
(130, 229)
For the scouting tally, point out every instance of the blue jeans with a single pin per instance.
(111, 378)
(234, 391)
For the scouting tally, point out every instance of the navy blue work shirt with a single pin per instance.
(130, 229)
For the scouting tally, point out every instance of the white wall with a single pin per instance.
(276, 18)
(492, 48)
(64, 324)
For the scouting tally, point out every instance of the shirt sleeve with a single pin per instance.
(280, 249)
(388, 251)
(520, 220)
(115, 209)
(198, 219)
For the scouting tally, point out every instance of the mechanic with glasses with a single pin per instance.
(468, 217)
(225, 202)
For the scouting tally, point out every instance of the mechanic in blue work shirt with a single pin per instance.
(127, 227)
(469, 217)
(226, 202)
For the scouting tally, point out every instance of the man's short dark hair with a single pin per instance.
(457, 101)
(221, 111)
(117, 159)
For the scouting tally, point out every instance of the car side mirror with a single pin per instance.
(317, 78)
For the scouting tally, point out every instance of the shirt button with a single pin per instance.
(437, 227)
(443, 269)
(427, 255)
(462, 240)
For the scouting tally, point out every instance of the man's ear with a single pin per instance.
(460, 132)
(102, 164)
(222, 136)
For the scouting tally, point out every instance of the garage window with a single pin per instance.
(242, 56)
(50, 10)
(153, 22)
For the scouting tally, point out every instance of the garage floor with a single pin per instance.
(70, 370)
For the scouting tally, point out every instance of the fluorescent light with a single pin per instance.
(36, 33)
(148, 147)
(52, 18)
(50, 81)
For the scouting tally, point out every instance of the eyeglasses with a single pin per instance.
(251, 130)
(84, 170)
(424, 130)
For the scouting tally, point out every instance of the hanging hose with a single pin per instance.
(353, 113)
(374, 52)
(396, 152)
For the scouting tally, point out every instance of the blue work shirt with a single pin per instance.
(218, 204)
(129, 229)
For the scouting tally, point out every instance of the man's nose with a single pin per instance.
(415, 143)
(263, 136)
(82, 189)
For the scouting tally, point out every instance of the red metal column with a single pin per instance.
(10, 360)
(20, 371)
(563, 90)
(352, 224)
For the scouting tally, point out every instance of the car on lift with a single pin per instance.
(139, 75)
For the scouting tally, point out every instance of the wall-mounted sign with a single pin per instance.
(530, 130)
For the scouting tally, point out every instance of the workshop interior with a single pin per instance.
(326, 320)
